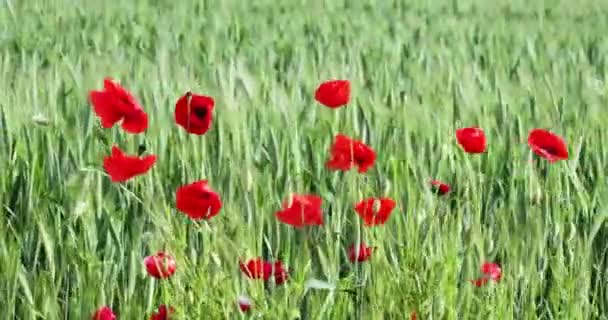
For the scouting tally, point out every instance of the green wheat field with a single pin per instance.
(72, 241)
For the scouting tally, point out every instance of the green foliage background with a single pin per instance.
(71, 241)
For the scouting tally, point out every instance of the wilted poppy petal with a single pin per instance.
(198, 201)
(160, 265)
(121, 167)
(333, 93)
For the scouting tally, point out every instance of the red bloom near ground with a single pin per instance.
(333, 93)
(163, 313)
(359, 253)
(114, 103)
(244, 303)
(198, 201)
(194, 113)
(490, 271)
(413, 315)
(281, 275)
(121, 167)
(548, 145)
(104, 313)
(440, 188)
(304, 210)
(258, 268)
(375, 211)
(160, 265)
(347, 152)
(472, 140)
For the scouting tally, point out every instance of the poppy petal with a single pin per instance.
(121, 167)
(198, 201)
(333, 93)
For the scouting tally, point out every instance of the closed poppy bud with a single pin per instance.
(548, 145)
(198, 201)
(440, 188)
(194, 113)
(163, 313)
(121, 167)
(359, 253)
(333, 93)
(244, 303)
(114, 104)
(375, 211)
(472, 140)
(160, 265)
(104, 313)
(346, 153)
(304, 210)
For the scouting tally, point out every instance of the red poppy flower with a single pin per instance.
(114, 103)
(163, 313)
(472, 140)
(491, 271)
(304, 210)
(347, 152)
(280, 273)
(413, 315)
(194, 113)
(244, 303)
(104, 313)
(548, 145)
(359, 253)
(257, 269)
(198, 201)
(440, 188)
(122, 167)
(333, 93)
(375, 211)
(160, 265)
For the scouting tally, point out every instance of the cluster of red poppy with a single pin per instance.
(197, 200)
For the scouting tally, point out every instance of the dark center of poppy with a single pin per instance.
(359, 160)
(550, 150)
(200, 112)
